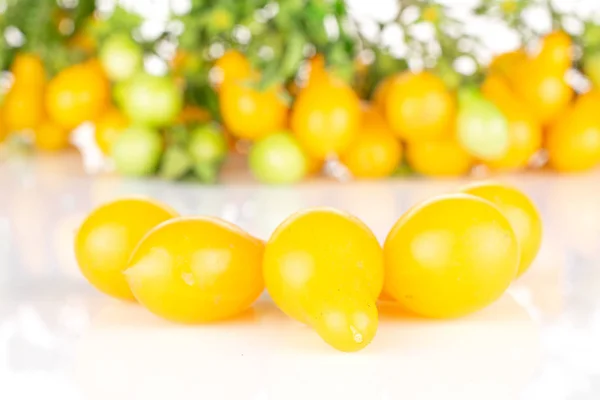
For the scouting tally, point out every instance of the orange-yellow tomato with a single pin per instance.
(419, 107)
(196, 269)
(525, 133)
(450, 256)
(51, 137)
(520, 212)
(375, 152)
(573, 141)
(438, 158)
(28, 70)
(325, 268)
(108, 127)
(250, 113)
(233, 66)
(23, 108)
(108, 236)
(77, 94)
(326, 118)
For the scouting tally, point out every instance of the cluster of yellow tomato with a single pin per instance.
(524, 107)
(415, 116)
(444, 258)
(52, 109)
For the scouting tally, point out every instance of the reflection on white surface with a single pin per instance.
(61, 339)
(264, 355)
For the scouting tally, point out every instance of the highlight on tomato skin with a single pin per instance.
(108, 236)
(195, 270)
(450, 256)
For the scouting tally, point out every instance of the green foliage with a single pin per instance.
(47, 26)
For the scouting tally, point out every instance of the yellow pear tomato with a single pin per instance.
(109, 235)
(325, 268)
(196, 269)
(450, 256)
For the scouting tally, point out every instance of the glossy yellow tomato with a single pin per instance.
(250, 113)
(326, 118)
(28, 69)
(51, 137)
(233, 66)
(520, 212)
(419, 107)
(573, 141)
(556, 52)
(545, 93)
(450, 256)
(444, 157)
(23, 108)
(196, 269)
(325, 268)
(525, 133)
(108, 127)
(108, 236)
(77, 94)
(375, 152)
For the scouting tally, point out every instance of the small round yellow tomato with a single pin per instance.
(450, 256)
(51, 137)
(573, 141)
(443, 157)
(233, 66)
(325, 268)
(196, 269)
(375, 153)
(520, 212)
(108, 237)
(556, 52)
(28, 70)
(545, 94)
(326, 117)
(23, 107)
(77, 94)
(249, 113)
(419, 107)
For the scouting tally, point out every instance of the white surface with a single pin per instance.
(60, 339)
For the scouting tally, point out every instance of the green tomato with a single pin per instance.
(121, 57)
(151, 101)
(137, 151)
(278, 159)
(591, 67)
(481, 128)
(207, 144)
